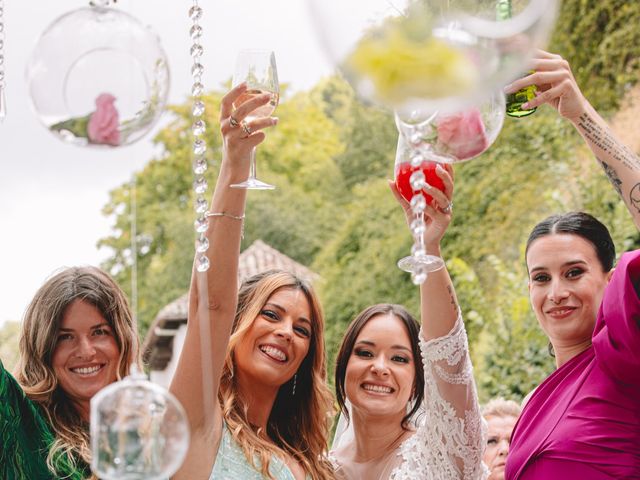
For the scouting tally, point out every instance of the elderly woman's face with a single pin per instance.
(498, 441)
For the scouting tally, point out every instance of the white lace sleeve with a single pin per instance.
(451, 433)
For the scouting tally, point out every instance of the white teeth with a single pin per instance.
(274, 353)
(376, 388)
(86, 370)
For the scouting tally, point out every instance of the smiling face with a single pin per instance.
(380, 373)
(85, 358)
(277, 342)
(498, 441)
(566, 284)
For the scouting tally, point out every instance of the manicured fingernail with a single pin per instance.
(275, 120)
(525, 106)
(507, 89)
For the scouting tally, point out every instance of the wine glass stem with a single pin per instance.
(419, 239)
(252, 164)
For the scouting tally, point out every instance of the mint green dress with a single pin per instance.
(231, 463)
(25, 437)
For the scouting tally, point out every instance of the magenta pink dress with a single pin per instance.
(583, 421)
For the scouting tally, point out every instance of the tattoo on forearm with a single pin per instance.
(452, 297)
(612, 176)
(634, 197)
(604, 140)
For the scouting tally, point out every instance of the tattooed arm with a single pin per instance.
(439, 306)
(558, 88)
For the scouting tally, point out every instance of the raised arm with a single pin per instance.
(558, 88)
(439, 306)
(213, 294)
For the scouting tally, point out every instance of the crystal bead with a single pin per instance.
(203, 263)
(416, 159)
(415, 138)
(201, 205)
(418, 227)
(195, 13)
(195, 32)
(197, 69)
(198, 109)
(196, 50)
(419, 276)
(200, 165)
(199, 147)
(201, 224)
(200, 185)
(417, 180)
(202, 244)
(417, 250)
(198, 127)
(197, 89)
(418, 203)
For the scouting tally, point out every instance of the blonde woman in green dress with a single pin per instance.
(269, 409)
(77, 337)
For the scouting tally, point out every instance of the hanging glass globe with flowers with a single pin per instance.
(98, 77)
(430, 56)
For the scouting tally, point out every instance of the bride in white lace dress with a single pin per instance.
(407, 393)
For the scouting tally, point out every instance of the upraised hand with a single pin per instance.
(556, 86)
(437, 214)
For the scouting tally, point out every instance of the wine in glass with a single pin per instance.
(412, 171)
(257, 68)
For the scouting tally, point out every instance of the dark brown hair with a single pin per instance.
(349, 340)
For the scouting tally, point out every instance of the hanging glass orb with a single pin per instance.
(431, 55)
(138, 431)
(98, 77)
(452, 137)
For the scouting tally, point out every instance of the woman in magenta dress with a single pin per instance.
(583, 421)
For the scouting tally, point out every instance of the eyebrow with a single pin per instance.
(282, 309)
(564, 265)
(372, 344)
(103, 324)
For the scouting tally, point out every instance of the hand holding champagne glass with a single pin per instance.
(256, 68)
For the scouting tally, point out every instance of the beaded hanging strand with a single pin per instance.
(198, 129)
(3, 98)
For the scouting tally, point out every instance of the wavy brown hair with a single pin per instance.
(38, 340)
(298, 425)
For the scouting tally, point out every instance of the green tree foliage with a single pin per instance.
(330, 157)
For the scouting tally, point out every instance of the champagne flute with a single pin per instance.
(412, 170)
(257, 68)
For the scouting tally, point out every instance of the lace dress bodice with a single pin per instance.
(450, 432)
(231, 463)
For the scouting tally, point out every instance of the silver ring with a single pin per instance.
(448, 208)
(233, 122)
(245, 128)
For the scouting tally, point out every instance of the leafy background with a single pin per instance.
(330, 157)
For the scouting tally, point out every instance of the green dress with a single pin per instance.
(25, 437)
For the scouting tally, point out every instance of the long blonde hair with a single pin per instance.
(299, 425)
(38, 339)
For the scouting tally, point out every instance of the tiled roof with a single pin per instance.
(258, 257)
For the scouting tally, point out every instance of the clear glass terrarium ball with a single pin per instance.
(98, 77)
(431, 55)
(138, 431)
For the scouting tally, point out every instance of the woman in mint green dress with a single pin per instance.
(77, 337)
(252, 374)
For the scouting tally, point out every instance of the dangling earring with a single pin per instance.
(295, 380)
